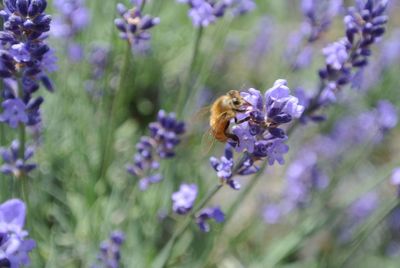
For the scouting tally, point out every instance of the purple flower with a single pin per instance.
(206, 214)
(14, 164)
(110, 251)
(24, 59)
(72, 18)
(202, 13)
(134, 27)
(336, 54)
(183, 200)
(164, 137)
(14, 245)
(206, 12)
(14, 112)
(357, 213)
(258, 132)
(387, 115)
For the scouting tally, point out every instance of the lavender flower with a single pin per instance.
(164, 137)
(318, 16)
(72, 18)
(14, 164)
(23, 44)
(365, 24)
(14, 243)
(99, 57)
(134, 27)
(110, 251)
(357, 213)
(259, 135)
(183, 200)
(206, 214)
(206, 12)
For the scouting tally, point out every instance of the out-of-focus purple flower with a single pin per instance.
(164, 136)
(365, 24)
(14, 243)
(261, 43)
(99, 57)
(318, 16)
(110, 251)
(206, 214)
(386, 115)
(206, 12)
(272, 213)
(15, 164)
(357, 213)
(72, 17)
(336, 54)
(134, 27)
(183, 200)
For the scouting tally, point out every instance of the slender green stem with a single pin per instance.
(110, 123)
(187, 86)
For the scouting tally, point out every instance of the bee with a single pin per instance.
(222, 111)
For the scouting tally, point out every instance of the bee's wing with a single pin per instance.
(208, 139)
(207, 142)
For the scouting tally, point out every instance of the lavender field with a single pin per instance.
(200, 133)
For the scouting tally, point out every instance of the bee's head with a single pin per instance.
(236, 100)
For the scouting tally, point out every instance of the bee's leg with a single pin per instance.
(231, 136)
(242, 120)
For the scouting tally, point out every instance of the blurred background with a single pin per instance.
(81, 190)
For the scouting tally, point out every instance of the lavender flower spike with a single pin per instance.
(134, 27)
(110, 251)
(14, 164)
(14, 244)
(164, 136)
(206, 214)
(183, 200)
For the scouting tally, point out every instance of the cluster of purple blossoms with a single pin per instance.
(365, 24)
(206, 214)
(318, 16)
(206, 12)
(259, 134)
(71, 19)
(305, 174)
(24, 60)
(134, 27)
(164, 137)
(357, 213)
(99, 57)
(183, 201)
(13, 163)
(110, 251)
(15, 245)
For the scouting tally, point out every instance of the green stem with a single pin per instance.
(110, 123)
(187, 86)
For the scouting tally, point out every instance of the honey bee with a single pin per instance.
(222, 111)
